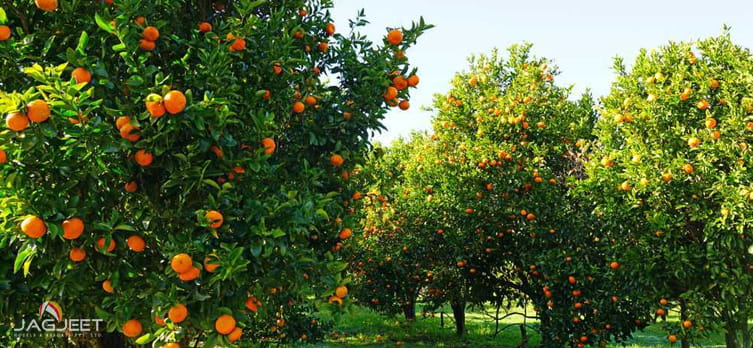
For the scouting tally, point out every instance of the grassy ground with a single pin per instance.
(362, 327)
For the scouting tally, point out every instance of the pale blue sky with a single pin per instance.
(581, 36)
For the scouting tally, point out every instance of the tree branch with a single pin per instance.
(21, 16)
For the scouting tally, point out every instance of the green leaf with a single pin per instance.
(21, 258)
(135, 80)
(337, 266)
(102, 24)
(124, 228)
(212, 183)
(144, 339)
(3, 16)
(82, 41)
(119, 47)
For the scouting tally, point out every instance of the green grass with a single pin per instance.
(361, 327)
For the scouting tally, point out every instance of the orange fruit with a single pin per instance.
(4, 32)
(252, 304)
(714, 84)
(215, 218)
(132, 328)
(269, 145)
(277, 69)
(16, 121)
(140, 20)
(143, 158)
(694, 142)
(335, 299)
(395, 37)
(192, 274)
(122, 121)
(77, 254)
(3, 157)
(38, 111)
(710, 123)
(345, 233)
(101, 245)
(390, 93)
(131, 186)
(310, 101)
(150, 33)
(716, 134)
(663, 302)
(329, 29)
(178, 313)
(33, 227)
(660, 312)
(336, 160)
(156, 109)
(217, 151)
(702, 105)
(171, 345)
(128, 132)
(174, 101)
(136, 243)
(614, 265)
(298, 107)
(224, 324)
(81, 75)
(404, 105)
(47, 5)
(413, 80)
(672, 338)
(238, 45)
(572, 280)
(107, 286)
(73, 228)
(400, 83)
(688, 168)
(147, 45)
(210, 263)
(181, 263)
(687, 324)
(235, 334)
(159, 321)
(205, 27)
(341, 291)
(324, 47)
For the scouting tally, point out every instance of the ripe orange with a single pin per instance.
(714, 84)
(131, 186)
(101, 245)
(156, 109)
(174, 102)
(122, 121)
(400, 83)
(128, 132)
(663, 302)
(687, 324)
(47, 5)
(77, 254)
(298, 107)
(716, 134)
(211, 263)
(81, 75)
(341, 291)
(150, 33)
(178, 313)
(336, 160)
(710, 123)
(224, 324)
(238, 45)
(3, 157)
(390, 93)
(614, 265)
(73, 228)
(252, 304)
(4, 32)
(132, 328)
(38, 111)
(171, 345)
(324, 47)
(205, 27)
(702, 105)
(335, 299)
(345, 233)
(329, 29)
(16, 121)
(572, 280)
(688, 168)
(310, 101)
(140, 20)
(660, 312)
(395, 37)
(413, 80)
(694, 142)
(672, 338)
(269, 145)
(235, 334)
(159, 321)
(215, 217)
(107, 286)
(147, 45)
(143, 158)
(33, 227)
(136, 243)
(192, 274)
(404, 105)
(181, 263)
(277, 69)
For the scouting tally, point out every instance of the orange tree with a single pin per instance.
(671, 167)
(179, 168)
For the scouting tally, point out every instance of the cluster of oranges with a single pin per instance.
(149, 38)
(37, 111)
(226, 325)
(399, 83)
(340, 293)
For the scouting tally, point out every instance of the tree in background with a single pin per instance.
(179, 168)
(671, 169)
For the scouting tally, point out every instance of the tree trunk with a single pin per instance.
(746, 334)
(546, 335)
(523, 336)
(112, 340)
(409, 310)
(458, 312)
